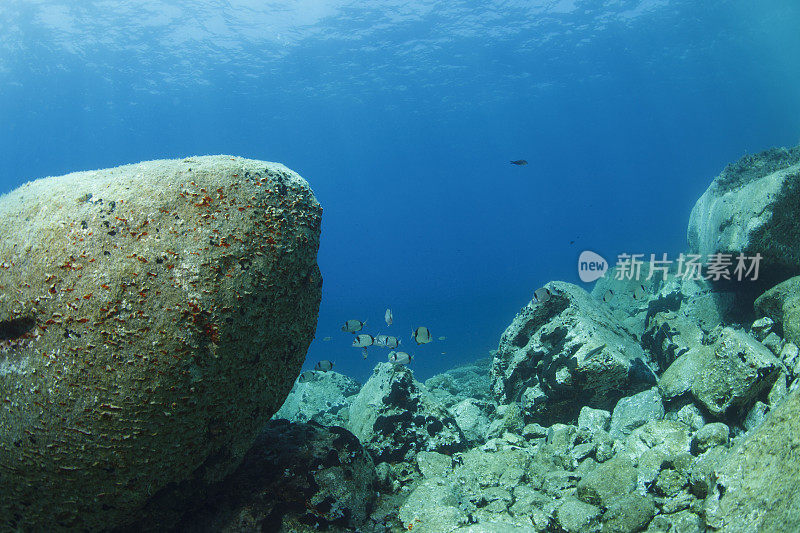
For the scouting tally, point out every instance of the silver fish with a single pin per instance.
(401, 358)
(324, 365)
(380, 340)
(388, 317)
(306, 376)
(422, 335)
(363, 340)
(442, 338)
(351, 326)
(386, 341)
(364, 351)
(392, 342)
(326, 339)
(542, 295)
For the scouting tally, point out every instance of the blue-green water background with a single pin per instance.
(403, 116)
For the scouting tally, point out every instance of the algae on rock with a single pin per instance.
(154, 317)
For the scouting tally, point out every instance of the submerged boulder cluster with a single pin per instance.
(665, 408)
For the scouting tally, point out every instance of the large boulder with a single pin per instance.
(758, 484)
(395, 417)
(565, 353)
(152, 318)
(752, 207)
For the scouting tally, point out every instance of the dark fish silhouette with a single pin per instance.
(519, 162)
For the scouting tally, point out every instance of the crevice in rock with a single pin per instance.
(15, 328)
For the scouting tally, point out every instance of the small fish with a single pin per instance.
(324, 365)
(380, 341)
(639, 293)
(388, 317)
(421, 335)
(391, 342)
(401, 358)
(363, 340)
(442, 338)
(542, 295)
(609, 294)
(306, 376)
(364, 350)
(519, 162)
(351, 326)
(326, 339)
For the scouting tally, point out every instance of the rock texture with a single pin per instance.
(566, 353)
(152, 318)
(759, 482)
(393, 416)
(782, 304)
(325, 398)
(752, 207)
(296, 477)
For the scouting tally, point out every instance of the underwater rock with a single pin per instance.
(759, 481)
(782, 304)
(565, 353)
(434, 505)
(610, 480)
(752, 207)
(734, 373)
(470, 381)
(710, 435)
(629, 513)
(594, 420)
(325, 398)
(472, 416)
(681, 315)
(575, 516)
(296, 476)
(393, 415)
(152, 318)
(684, 521)
(630, 295)
(634, 411)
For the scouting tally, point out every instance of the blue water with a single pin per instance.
(403, 116)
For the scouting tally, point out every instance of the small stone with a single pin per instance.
(635, 411)
(562, 437)
(691, 415)
(605, 444)
(612, 479)
(778, 391)
(773, 342)
(628, 514)
(594, 419)
(762, 327)
(582, 451)
(710, 435)
(575, 516)
(534, 431)
(433, 464)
